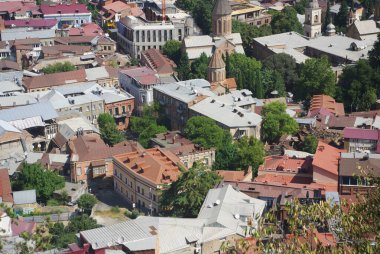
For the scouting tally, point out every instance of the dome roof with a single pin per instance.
(330, 26)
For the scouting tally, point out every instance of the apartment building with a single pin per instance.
(250, 14)
(139, 176)
(356, 140)
(136, 34)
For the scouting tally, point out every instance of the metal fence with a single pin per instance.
(53, 217)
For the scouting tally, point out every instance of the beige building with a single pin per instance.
(250, 14)
(313, 22)
(140, 175)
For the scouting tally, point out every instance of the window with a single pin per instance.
(138, 189)
(142, 191)
(154, 197)
(110, 111)
(129, 108)
(137, 36)
(80, 109)
(159, 35)
(100, 106)
(116, 111)
(126, 180)
(88, 108)
(123, 108)
(93, 106)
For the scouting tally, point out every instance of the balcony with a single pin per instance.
(124, 114)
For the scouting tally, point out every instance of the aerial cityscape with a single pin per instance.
(189, 126)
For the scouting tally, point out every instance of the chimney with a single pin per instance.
(2, 24)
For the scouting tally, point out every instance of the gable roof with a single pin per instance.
(30, 23)
(327, 158)
(326, 102)
(44, 110)
(143, 75)
(158, 61)
(63, 9)
(6, 64)
(55, 79)
(357, 133)
(216, 61)
(365, 27)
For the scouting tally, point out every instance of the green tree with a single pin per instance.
(226, 157)
(172, 49)
(150, 132)
(300, 6)
(81, 223)
(359, 86)
(86, 202)
(285, 65)
(204, 131)
(186, 5)
(271, 80)
(315, 77)
(34, 176)
(199, 67)
(374, 54)
(58, 67)
(108, 129)
(184, 197)
(310, 144)
(251, 153)
(183, 68)
(285, 21)
(249, 32)
(342, 16)
(327, 20)
(276, 122)
(246, 72)
(202, 13)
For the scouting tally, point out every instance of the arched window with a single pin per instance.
(225, 26)
(219, 26)
(316, 19)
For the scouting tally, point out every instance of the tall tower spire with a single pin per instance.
(221, 18)
(313, 23)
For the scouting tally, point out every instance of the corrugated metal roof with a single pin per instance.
(44, 109)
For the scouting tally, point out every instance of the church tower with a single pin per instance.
(313, 16)
(216, 68)
(221, 18)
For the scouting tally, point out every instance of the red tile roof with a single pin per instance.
(30, 23)
(143, 75)
(234, 175)
(117, 6)
(361, 133)
(20, 226)
(155, 165)
(18, 7)
(285, 164)
(158, 61)
(9, 65)
(326, 102)
(87, 29)
(5, 186)
(63, 9)
(55, 79)
(327, 158)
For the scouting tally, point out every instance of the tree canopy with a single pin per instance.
(285, 21)
(108, 129)
(374, 54)
(148, 124)
(201, 11)
(184, 197)
(310, 144)
(34, 176)
(249, 32)
(86, 202)
(342, 16)
(286, 66)
(315, 77)
(172, 49)
(183, 67)
(199, 67)
(204, 131)
(359, 86)
(58, 67)
(276, 122)
(251, 152)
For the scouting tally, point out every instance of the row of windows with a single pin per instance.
(117, 111)
(154, 35)
(139, 190)
(100, 106)
(143, 48)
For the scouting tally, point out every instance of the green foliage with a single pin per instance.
(81, 223)
(115, 209)
(108, 129)
(342, 16)
(132, 215)
(300, 6)
(246, 72)
(184, 197)
(286, 66)
(34, 176)
(183, 68)
(172, 49)
(327, 20)
(226, 157)
(374, 54)
(86, 202)
(202, 14)
(147, 125)
(359, 86)
(310, 144)
(251, 153)
(204, 131)
(285, 21)
(315, 77)
(58, 67)
(199, 67)
(276, 122)
(249, 32)
(272, 80)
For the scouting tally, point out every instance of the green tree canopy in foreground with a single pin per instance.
(108, 129)
(184, 197)
(276, 122)
(34, 176)
(58, 67)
